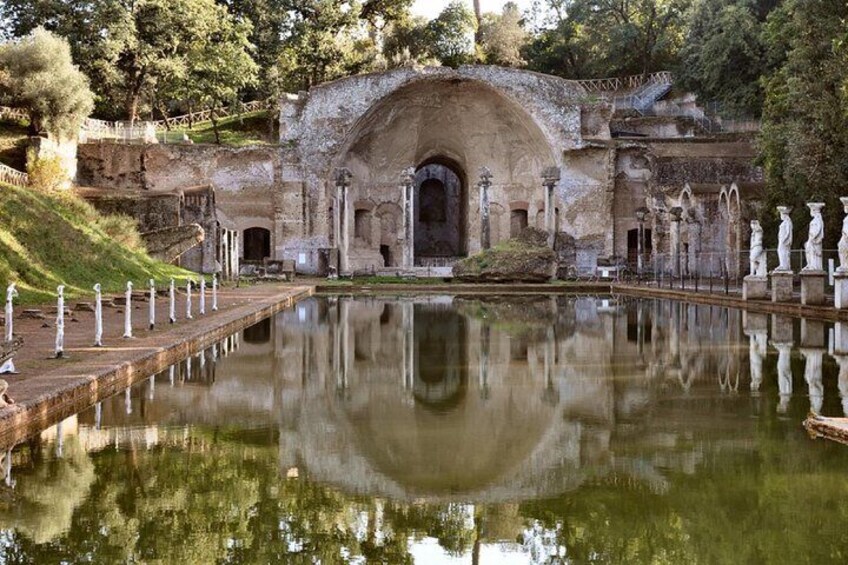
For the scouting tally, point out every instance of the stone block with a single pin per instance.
(840, 338)
(754, 323)
(754, 288)
(840, 290)
(781, 286)
(812, 287)
(812, 333)
(782, 329)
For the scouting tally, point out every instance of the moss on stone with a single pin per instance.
(520, 259)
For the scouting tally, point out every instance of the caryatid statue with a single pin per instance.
(758, 253)
(784, 240)
(843, 241)
(813, 247)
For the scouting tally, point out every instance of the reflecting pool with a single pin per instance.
(440, 429)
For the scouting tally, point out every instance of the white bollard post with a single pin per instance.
(215, 292)
(60, 322)
(11, 294)
(172, 307)
(128, 311)
(98, 316)
(188, 300)
(202, 295)
(152, 306)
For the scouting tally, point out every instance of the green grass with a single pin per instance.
(14, 139)
(254, 128)
(52, 239)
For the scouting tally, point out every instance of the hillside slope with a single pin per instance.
(52, 239)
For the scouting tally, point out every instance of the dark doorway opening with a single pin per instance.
(440, 211)
(386, 252)
(257, 244)
(633, 248)
(517, 222)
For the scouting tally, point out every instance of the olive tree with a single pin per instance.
(37, 73)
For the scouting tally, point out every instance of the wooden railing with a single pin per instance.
(189, 120)
(632, 82)
(12, 176)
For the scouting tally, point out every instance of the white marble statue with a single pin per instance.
(757, 352)
(215, 292)
(172, 303)
(202, 306)
(813, 247)
(758, 252)
(813, 376)
(60, 322)
(98, 316)
(188, 299)
(128, 311)
(784, 240)
(151, 307)
(784, 375)
(843, 241)
(842, 361)
(11, 293)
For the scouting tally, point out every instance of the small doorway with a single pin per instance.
(257, 244)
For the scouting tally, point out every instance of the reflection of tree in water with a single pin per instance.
(48, 492)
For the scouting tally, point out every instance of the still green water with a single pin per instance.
(453, 430)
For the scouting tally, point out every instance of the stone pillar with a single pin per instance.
(408, 190)
(342, 219)
(485, 229)
(676, 216)
(813, 276)
(693, 227)
(550, 180)
(641, 216)
(236, 254)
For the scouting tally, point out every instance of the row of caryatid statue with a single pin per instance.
(59, 350)
(813, 275)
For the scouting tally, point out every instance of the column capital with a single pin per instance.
(551, 176)
(342, 177)
(407, 176)
(485, 177)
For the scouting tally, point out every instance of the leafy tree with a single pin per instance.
(38, 74)
(219, 66)
(804, 149)
(451, 35)
(502, 37)
(724, 56)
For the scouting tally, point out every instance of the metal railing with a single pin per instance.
(633, 82)
(712, 271)
(12, 176)
(7, 113)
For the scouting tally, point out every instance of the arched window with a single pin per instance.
(257, 244)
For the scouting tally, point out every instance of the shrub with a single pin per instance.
(123, 229)
(46, 173)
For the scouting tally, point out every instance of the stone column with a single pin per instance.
(341, 220)
(641, 216)
(485, 229)
(676, 216)
(550, 180)
(407, 179)
(693, 227)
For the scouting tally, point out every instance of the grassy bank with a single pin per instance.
(52, 239)
(253, 128)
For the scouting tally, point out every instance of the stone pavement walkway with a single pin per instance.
(48, 389)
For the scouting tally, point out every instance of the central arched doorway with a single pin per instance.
(440, 212)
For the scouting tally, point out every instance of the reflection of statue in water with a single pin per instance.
(813, 376)
(758, 253)
(813, 247)
(784, 375)
(784, 240)
(757, 354)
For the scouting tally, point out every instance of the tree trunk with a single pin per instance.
(215, 126)
(479, 17)
(132, 106)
